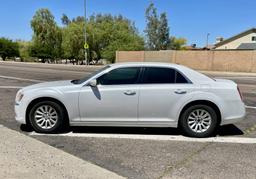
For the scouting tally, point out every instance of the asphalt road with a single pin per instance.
(139, 158)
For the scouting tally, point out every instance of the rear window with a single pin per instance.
(157, 75)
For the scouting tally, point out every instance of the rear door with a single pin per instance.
(161, 88)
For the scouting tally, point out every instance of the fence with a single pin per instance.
(232, 60)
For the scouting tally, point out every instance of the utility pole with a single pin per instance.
(85, 36)
(207, 40)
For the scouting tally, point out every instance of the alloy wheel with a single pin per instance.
(199, 120)
(46, 117)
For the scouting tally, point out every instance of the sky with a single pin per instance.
(191, 19)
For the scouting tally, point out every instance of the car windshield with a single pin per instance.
(79, 81)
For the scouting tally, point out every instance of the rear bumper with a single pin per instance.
(232, 120)
(236, 116)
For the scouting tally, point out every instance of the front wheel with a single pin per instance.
(46, 117)
(199, 121)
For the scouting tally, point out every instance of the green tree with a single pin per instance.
(177, 43)
(73, 41)
(152, 28)
(164, 32)
(8, 48)
(24, 47)
(157, 29)
(105, 35)
(78, 19)
(113, 33)
(65, 20)
(46, 43)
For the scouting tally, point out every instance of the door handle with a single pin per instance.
(179, 91)
(129, 92)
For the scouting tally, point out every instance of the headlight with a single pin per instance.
(19, 96)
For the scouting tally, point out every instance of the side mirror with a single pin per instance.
(93, 83)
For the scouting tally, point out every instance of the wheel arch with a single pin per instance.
(202, 102)
(40, 99)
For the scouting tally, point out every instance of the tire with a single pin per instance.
(47, 117)
(199, 121)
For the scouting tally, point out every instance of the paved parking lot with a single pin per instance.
(142, 152)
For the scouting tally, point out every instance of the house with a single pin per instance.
(194, 47)
(243, 41)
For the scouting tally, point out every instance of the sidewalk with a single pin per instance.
(53, 66)
(224, 73)
(24, 157)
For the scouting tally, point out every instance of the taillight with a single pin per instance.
(241, 96)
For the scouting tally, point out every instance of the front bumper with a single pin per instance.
(20, 113)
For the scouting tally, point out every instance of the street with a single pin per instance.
(141, 152)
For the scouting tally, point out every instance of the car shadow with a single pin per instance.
(26, 128)
(127, 130)
(227, 130)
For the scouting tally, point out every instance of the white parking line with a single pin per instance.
(250, 107)
(11, 87)
(239, 140)
(21, 79)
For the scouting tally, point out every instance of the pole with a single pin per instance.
(85, 37)
(207, 40)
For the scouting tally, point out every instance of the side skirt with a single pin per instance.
(125, 124)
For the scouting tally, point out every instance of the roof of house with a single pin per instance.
(247, 46)
(252, 30)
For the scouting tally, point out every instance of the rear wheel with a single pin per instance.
(46, 117)
(199, 121)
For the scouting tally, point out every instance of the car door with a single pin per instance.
(161, 89)
(115, 98)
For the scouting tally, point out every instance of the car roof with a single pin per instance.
(160, 64)
(194, 76)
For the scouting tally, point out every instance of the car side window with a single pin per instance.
(153, 75)
(158, 75)
(120, 76)
(180, 78)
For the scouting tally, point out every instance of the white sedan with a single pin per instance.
(133, 94)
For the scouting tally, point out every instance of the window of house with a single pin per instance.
(254, 38)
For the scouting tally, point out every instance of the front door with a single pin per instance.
(115, 98)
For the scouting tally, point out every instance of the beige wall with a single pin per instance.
(194, 59)
(133, 56)
(237, 61)
(163, 56)
(236, 43)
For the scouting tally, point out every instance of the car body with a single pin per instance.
(135, 94)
